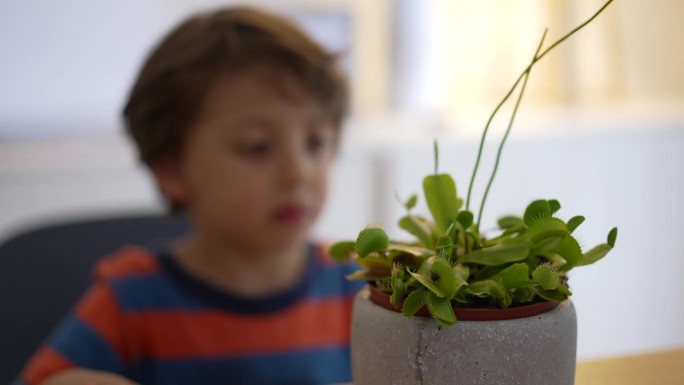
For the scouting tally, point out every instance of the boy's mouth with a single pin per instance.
(290, 214)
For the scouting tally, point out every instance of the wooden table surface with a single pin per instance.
(662, 368)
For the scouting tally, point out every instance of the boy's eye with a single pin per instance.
(256, 149)
(317, 142)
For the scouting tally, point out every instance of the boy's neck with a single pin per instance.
(239, 272)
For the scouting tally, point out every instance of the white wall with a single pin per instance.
(67, 66)
(623, 176)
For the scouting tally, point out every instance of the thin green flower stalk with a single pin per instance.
(524, 74)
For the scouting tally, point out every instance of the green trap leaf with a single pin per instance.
(370, 240)
(342, 251)
(441, 309)
(536, 210)
(414, 301)
(545, 276)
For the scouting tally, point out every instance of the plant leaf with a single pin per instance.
(462, 271)
(418, 227)
(482, 288)
(465, 218)
(449, 282)
(612, 237)
(545, 228)
(489, 288)
(523, 294)
(556, 260)
(365, 275)
(373, 262)
(427, 282)
(487, 272)
(398, 287)
(441, 309)
(497, 255)
(560, 294)
(594, 254)
(599, 251)
(444, 248)
(569, 249)
(515, 276)
(545, 276)
(514, 230)
(554, 205)
(371, 239)
(509, 221)
(406, 259)
(545, 245)
(396, 248)
(342, 251)
(411, 202)
(574, 222)
(414, 301)
(536, 210)
(440, 194)
(474, 235)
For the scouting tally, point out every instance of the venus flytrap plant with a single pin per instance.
(451, 264)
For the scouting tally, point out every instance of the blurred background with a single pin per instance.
(601, 127)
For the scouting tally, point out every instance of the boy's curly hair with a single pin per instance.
(172, 83)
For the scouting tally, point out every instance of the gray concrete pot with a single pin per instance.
(390, 349)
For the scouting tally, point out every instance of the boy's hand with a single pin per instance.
(86, 377)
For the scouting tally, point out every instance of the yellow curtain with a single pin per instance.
(633, 53)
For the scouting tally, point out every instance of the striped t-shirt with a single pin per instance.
(148, 320)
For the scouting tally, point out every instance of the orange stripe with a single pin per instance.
(44, 364)
(127, 261)
(182, 334)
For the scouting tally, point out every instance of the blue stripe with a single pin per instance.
(18, 381)
(331, 281)
(323, 366)
(152, 292)
(81, 345)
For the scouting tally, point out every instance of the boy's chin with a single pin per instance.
(282, 240)
(292, 242)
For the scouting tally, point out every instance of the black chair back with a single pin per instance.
(44, 271)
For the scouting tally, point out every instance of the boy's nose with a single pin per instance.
(293, 169)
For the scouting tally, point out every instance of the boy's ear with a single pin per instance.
(169, 177)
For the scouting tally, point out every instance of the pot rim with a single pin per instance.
(472, 314)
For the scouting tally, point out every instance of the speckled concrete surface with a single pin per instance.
(390, 349)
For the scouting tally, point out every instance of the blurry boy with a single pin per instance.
(237, 114)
